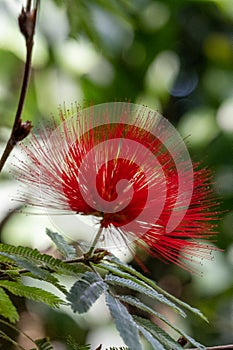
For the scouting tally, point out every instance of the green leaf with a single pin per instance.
(64, 248)
(124, 322)
(74, 346)
(156, 345)
(32, 293)
(157, 333)
(121, 348)
(4, 259)
(44, 344)
(36, 271)
(114, 260)
(143, 289)
(34, 256)
(7, 309)
(137, 303)
(85, 292)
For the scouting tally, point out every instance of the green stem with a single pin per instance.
(95, 241)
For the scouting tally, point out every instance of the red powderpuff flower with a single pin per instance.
(128, 167)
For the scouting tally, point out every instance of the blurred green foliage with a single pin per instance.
(175, 56)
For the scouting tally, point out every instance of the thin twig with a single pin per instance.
(20, 129)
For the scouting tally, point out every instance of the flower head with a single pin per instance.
(128, 167)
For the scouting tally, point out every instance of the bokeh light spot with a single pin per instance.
(200, 125)
(225, 116)
(162, 72)
(185, 84)
(155, 16)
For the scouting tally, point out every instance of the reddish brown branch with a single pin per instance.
(20, 129)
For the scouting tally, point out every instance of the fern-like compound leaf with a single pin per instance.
(157, 333)
(85, 292)
(7, 308)
(34, 271)
(43, 344)
(44, 260)
(129, 269)
(143, 289)
(156, 345)
(75, 346)
(140, 305)
(32, 293)
(66, 250)
(125, 324)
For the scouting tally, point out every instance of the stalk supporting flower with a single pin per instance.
(95, 241)
(127, 167)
